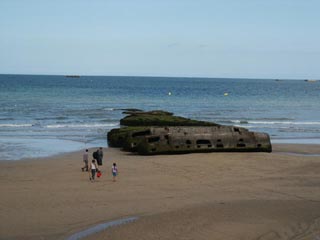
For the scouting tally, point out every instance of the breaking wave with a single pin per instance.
(16, 125)
(95, 125)
(271, 122)
(284, 122)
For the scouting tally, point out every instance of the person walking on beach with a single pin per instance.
(93, 169)
(100, 156)
(114, 171)
(95, 155)
(85, 158)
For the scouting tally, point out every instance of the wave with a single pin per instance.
(247, 126)
(234, 121)
(85, 125)
(89, 111)
(299, 130)
(273, 119)
(6, 119)
(108, 109)
(16, 125)
(284, 122)
(52, 118)
(270, 122)
(112, 120)
(94, 125)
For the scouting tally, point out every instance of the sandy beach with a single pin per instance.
(192, 196)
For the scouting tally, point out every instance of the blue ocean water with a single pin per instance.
(45, 115)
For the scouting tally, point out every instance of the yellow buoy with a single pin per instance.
(226, 94)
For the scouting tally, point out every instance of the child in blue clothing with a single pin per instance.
(114, 172)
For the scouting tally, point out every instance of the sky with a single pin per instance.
(180, 38)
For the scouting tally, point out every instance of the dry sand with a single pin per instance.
(193, 196)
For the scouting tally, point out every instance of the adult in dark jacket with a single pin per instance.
(100, 156)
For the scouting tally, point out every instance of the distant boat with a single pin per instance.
(310, 80)
(72, 76)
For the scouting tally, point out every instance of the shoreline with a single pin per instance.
(38, 148)
(291, 148)
(55, 156)
(53, 199)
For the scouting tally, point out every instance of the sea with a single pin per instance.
(43, 115)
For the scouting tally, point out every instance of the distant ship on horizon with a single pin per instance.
(310, 80)
(72, 76)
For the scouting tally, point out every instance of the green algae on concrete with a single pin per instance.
(127, 136)
(160, 118)
(159, 132)
(118, 137)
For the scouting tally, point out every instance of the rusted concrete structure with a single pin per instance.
(171, 139)
(164, 140)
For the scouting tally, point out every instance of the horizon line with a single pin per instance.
(155, 76)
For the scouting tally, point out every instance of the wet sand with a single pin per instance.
(191, 196)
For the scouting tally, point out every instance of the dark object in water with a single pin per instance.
(310, 80)
(72, 76)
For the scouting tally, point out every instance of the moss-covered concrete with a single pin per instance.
(118, 137)
(160, 118)
(159, 132)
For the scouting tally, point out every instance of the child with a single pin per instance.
(114, 172)
(93, 167)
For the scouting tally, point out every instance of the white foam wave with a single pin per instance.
(109, 109)
(239, 121)
(284, 122)
(16, 125)
(274, 122)
(95, 125)
(247, 126)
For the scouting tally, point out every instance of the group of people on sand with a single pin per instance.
(96, 162)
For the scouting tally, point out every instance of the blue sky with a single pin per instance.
(199, 38)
